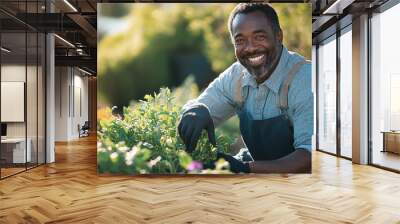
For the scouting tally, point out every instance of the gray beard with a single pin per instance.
(267, 70)
(268, 66)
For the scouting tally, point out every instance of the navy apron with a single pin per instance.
(272, 138)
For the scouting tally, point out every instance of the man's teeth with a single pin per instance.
(256, 59)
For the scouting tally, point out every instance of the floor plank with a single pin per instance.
(70, 191)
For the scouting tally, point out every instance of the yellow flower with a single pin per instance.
(123, 149)
(163, 117)
(169, 142)
(104, 114)
(221, 164)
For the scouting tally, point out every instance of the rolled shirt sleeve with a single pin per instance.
(301, 108)
(218, 96)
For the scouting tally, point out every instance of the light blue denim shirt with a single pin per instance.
(223, 97)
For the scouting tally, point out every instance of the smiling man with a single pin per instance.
(269, 88)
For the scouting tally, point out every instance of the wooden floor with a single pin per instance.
(10, 171)
(70, 191)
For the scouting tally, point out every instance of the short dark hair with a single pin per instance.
(246, 8)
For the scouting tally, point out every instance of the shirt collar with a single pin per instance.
(276, 78)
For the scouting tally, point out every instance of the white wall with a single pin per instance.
(13, 73)
(71, 93)
(80, 100)
(33, 126)
(12, 101)
(61, 103)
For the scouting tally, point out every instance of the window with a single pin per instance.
(327, 95)
(385, 86)
(22, 77)
(346, 75)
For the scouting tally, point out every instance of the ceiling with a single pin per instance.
(76, 22)
(332, 14)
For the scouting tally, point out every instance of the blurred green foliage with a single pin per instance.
(144, 58)
(114, 10)
(295, 20)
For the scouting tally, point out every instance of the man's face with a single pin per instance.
(256, 43)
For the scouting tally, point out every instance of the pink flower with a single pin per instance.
(195, 165)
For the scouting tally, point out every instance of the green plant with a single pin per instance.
(145, 140)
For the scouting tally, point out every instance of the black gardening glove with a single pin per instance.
(191, 125)
(236, 166)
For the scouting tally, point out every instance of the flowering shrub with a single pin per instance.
(145, 140)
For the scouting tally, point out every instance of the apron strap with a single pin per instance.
(284, 90)
(240, 97)
(238, 90)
